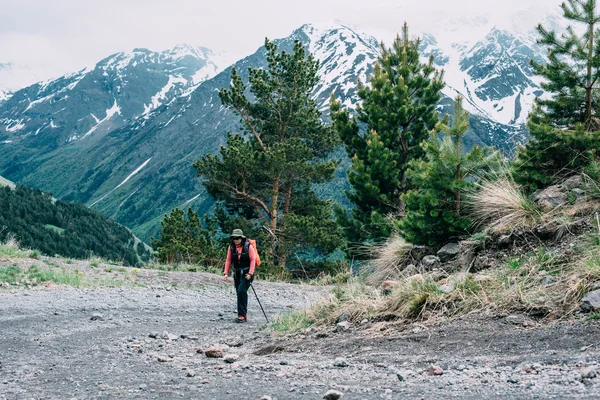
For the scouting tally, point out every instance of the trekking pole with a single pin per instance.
(261, 307)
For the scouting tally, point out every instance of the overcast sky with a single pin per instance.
(72, 34)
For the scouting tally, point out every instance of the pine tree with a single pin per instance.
(183, 238)
(434, 207)
(267, 173)
(564, 127)
(396, 113)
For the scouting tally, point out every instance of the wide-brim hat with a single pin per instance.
(237, 232)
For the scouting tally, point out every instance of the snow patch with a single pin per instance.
(138, 169)
(115, 109)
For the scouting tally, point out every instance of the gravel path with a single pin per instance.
(58, 342)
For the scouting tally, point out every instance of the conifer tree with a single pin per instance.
(267, 172)
(183, 238)
(434, 206)
(396, 113)
(564, 126)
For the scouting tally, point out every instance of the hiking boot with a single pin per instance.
(241, 319)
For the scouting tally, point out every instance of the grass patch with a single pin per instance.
(292, 322)
(500, 205)
(543, 283)
(12, 251)
(34, 275)
(388, 259)
(184, 268)
(55, 228)
(9, 274)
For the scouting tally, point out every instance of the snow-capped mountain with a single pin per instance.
(157, 113)
(97, 100)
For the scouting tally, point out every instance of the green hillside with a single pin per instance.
(53, 226)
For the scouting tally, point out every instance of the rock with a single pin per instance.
(387, 286)
(333, 395)
(231, 358)
(435, 370)
(342, 326)
(200, 351)
(448, 252)
(574, 182)
(418, 252)
(551, 197)
(191, 373)
(578, 193)
(505, 240)
(589, 373)
(409, 270)
(467, 250)
(430, 262)
(446, 288)
(97, 317)
(343, 316)
(516, 319)
(340, 362)
(266, 398)
(482, 262)
(162, 358)
(213, 352)
(513, 379)
(169, 336)
(402, 375)
(153, 335)
(591, 302)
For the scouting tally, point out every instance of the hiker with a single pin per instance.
(243, 257)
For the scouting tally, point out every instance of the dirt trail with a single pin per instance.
(58, 342)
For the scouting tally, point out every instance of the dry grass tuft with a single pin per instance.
(500, 205)
(11, 242)
(388, 259)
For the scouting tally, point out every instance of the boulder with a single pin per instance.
(387, 286)
(430, 262)
(333, 395)
(591, 302)
(448, 252)
(551, 197)
(213, 352)
(409, 270)
(467, 250)
(574, 182)
(418, 252)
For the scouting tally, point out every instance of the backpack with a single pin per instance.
(253, 243)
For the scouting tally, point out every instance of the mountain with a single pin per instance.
(87, 104)
(98, 137)
(39, 221)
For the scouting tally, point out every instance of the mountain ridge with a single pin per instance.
(125, 172)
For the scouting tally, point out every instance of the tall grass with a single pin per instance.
(10, 248)
(388, 259)
(34, 275)
(501, 205)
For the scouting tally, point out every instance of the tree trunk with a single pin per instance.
(588, 89)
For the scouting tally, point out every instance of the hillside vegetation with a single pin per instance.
(37, 221)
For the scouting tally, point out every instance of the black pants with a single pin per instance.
(241, 286)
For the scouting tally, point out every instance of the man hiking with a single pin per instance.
(242, 255)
